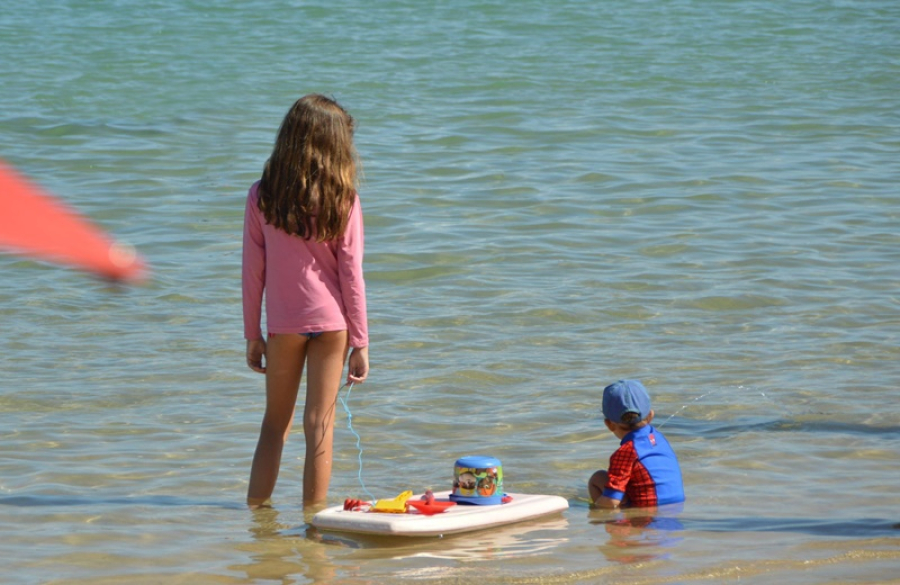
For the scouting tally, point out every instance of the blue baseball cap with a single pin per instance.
(623, 397)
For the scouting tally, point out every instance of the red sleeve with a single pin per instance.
(621, 465)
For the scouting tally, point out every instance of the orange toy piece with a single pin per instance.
(354, 505)
(429, 508)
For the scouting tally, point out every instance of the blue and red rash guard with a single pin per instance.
(644, 471)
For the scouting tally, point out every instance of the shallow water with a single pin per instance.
(699, 195)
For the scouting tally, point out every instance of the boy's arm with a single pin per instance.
(596, 487)
(621, 465)
(608, 503)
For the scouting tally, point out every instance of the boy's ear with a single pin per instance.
(650, 416)
(610, 425)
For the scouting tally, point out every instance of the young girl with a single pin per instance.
(303, 245)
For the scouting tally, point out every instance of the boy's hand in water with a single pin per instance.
(256, 349)
(359, 365)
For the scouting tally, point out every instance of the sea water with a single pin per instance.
(699, 194)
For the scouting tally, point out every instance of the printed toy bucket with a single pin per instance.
(477, 480)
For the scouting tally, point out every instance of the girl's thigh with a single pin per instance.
(285, 356)
(326, 356)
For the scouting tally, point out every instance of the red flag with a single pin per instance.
(35, 223)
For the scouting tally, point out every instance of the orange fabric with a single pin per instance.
(34, 223)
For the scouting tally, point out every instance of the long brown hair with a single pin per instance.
(309, 182)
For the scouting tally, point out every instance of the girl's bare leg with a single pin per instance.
(326, 355)
(284, 367)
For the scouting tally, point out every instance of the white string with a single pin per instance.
(659, 426)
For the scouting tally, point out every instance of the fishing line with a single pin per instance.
(659, 426)
(677, 412)
(344, 402)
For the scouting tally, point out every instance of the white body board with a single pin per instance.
(455, 519)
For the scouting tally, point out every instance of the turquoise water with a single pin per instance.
(701, 195)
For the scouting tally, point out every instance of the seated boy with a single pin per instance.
(644, 470)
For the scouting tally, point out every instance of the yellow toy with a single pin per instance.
(394, 506)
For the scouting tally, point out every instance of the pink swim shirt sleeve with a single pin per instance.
(253, 269)
(350, 273)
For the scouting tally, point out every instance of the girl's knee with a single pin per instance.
(317, 423)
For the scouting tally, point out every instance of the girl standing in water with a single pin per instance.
(303, 246)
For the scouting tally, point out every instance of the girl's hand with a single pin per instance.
(359, 365)
(256, 349)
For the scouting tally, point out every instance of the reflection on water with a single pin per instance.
(287, 554)
(281, 553)
(499, 543)
(522, 541)
(635, 533)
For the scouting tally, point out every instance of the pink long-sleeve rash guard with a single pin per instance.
(309, 286)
